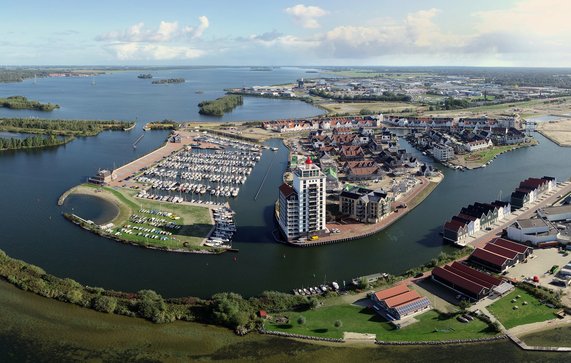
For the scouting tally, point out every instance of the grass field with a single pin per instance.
(533, 312)
(195, 221)
(430, 327)
(486, 155)
(355, 107)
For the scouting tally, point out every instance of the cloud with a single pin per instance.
(166, 31)
(139, 51)
(306, 15)
(168, 41)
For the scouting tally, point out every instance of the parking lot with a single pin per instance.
(539, 266)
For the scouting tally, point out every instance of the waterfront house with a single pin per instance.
(442, 152)
(364, 205)
(478, 145)
(456, 232)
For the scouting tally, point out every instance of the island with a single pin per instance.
(47, 133)
(22, 103)
(220, 105)
(169, 81)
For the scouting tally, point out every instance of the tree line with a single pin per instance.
(61, 127)
(220, 105)
(386, 96)
(32, 142)
(22, 103)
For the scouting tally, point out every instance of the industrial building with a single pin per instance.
(465, 280)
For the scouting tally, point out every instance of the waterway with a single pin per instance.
(36, 329)
(34, 230)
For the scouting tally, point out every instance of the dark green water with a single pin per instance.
(36, 329)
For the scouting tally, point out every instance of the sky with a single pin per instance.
(527, 33)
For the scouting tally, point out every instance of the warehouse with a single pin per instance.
(465, 280)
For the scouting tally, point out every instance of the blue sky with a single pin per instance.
(371, 32)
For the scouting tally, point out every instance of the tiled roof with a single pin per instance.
(489, 257)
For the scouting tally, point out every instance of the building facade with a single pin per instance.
(302, 205)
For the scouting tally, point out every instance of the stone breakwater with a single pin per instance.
(443, 342)
(300, 336)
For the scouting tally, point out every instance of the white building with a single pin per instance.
(442, 152)
(478, 145)
(302, 205)
(532, 231)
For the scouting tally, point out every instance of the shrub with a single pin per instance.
(151, 306)
(104, 304)
(338, 323)
(301, 320)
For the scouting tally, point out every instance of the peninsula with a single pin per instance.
(220, 106)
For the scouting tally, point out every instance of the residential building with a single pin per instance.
(364, 205)
(302, 205)
(442, 152)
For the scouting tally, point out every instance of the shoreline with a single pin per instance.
(427, 187)
(96, 229)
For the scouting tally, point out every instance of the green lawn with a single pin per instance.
(486, 155)
(533, 312)
(431, 325)
(195, 221)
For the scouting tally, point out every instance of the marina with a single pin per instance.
(198, 171)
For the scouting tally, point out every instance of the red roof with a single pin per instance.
(454, 225)
(511, 245)
(308, 160)
(511, 254)
(458, 280)
(468, 276)
(286, 190)
(478, 274)
(400, 299)
(489, 257)
(390, 292)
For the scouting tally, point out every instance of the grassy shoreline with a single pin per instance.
(190, 224)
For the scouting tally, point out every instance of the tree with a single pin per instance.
(151, 306)
(104, 304)
(301, 320)
(338, 324)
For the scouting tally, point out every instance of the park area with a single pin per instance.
(333, 321)
(152, 223)
(519, 308)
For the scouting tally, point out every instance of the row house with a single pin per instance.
(351, 152)
(529, 189)
(478, 145)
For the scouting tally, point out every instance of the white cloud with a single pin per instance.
(167, 31)
(197, 32)
(140, 51)
(306, 15)
(166, 42)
